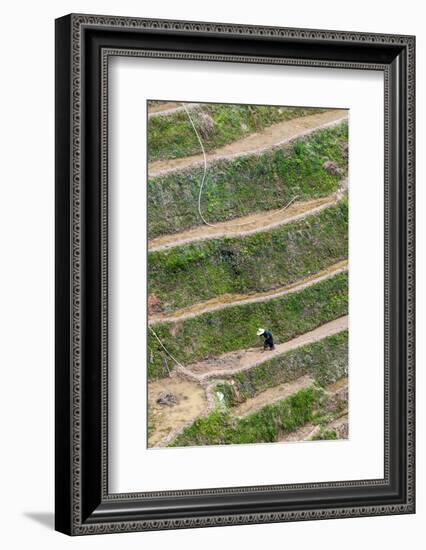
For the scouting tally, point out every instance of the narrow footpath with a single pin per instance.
(237, 361)
(230, 300)
(246, 225)
(276, 135)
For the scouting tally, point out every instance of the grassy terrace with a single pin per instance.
(325, 361)
(266, 425)
(196, 272)
(248, 184)
(308, 405)
(233, 328)
(172, 136)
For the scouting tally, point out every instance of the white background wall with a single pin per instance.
(26, 289)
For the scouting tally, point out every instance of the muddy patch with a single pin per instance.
(189, 401)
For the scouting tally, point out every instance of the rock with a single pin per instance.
(154, 304)
(336, 400)
(168, 399)
(205, 125)
(331, 168)
(236, 396)
(342, 430)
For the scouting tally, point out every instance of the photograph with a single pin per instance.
(247, 274)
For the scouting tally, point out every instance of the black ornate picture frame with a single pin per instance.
(84, 43)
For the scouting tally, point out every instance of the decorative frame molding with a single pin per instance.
(84, 43)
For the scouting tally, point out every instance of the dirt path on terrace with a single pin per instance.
(236, 361)
(166, 108)
(246, 225)
(271, 395)
(273, 136)
(230, 300)
(164, 420)
(341, 425)
(302, 434)
(308, 431)
(337, 386)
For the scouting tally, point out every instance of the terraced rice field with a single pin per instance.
(265, 244)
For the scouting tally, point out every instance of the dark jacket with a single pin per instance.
(269, 340)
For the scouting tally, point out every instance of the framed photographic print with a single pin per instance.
(234, 274)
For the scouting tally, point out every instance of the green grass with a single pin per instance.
(233, 328)
(247, 184)
(172, 136)
(309, 405)
(266, 425)
(325, 435)
(196, 272)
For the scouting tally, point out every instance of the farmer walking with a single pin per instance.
(268, 342)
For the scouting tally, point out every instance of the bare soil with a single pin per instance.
(337, 386)
(341, 426)
(163, 108)
(229, 300)
(237, 361)
(168, 108)
(165, 419)
(276, 135)
(302, 434)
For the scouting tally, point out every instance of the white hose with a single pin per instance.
(203, 179)
(164, 348)
(205, 165)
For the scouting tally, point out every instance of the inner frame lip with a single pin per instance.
(108, 52)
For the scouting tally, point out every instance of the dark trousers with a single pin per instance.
(268, 343)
